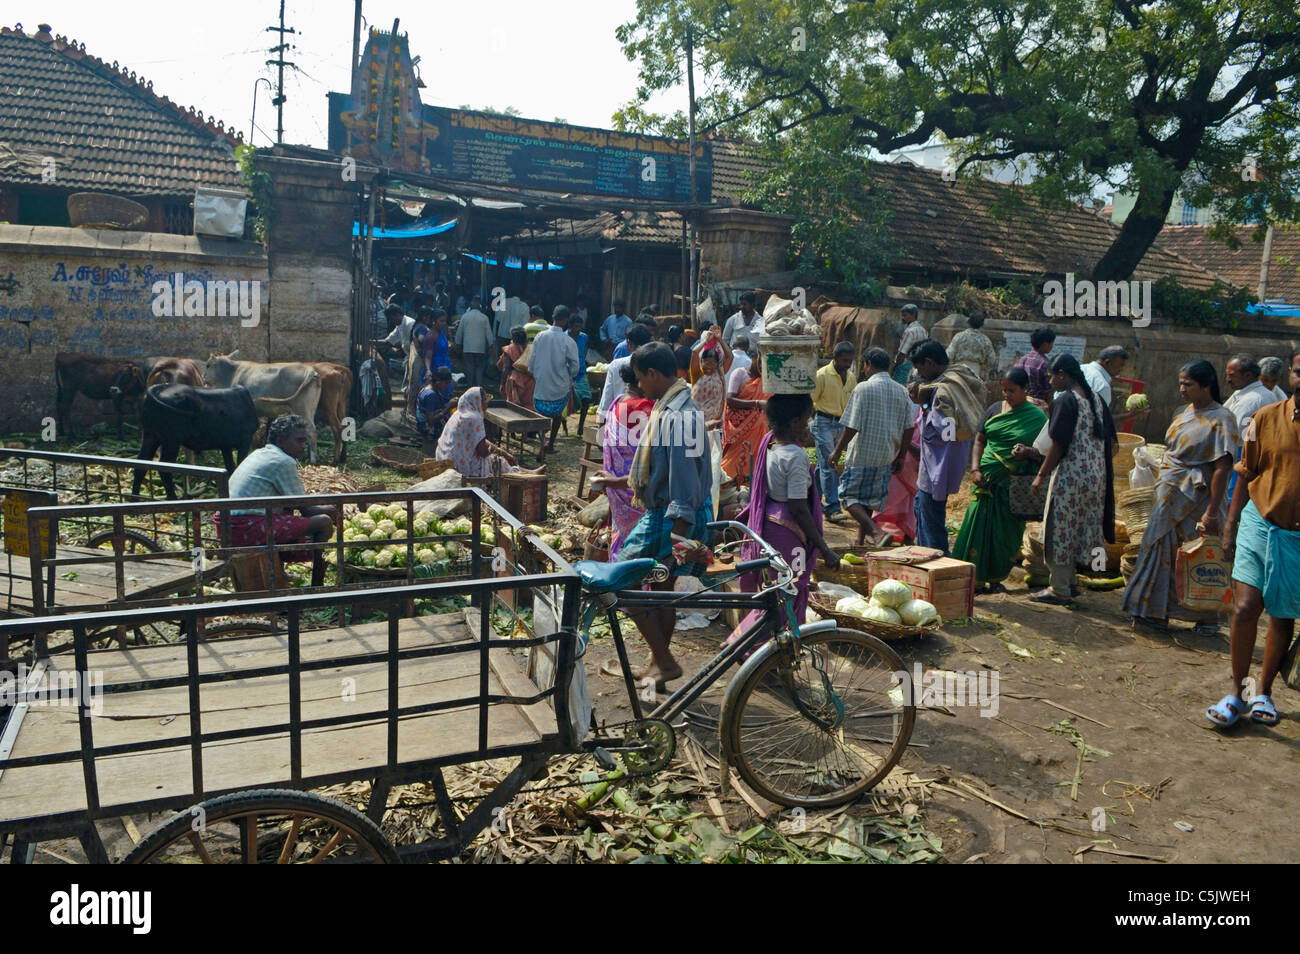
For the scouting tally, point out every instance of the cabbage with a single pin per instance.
(881, 614)
(854, 605)
(917, 612)
(1137, 402)
(891, 593)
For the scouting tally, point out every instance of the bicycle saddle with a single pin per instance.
(608, 577)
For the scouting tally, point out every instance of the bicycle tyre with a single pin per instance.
(146, 543)
(265, 802)
(747, 723)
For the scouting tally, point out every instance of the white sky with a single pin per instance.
(546, 60)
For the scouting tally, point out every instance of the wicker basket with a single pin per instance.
(405, 459)
(96, 210)
(430, 467)
(886, 631)
(857, 577)
(1134, 508)
(1128, 443)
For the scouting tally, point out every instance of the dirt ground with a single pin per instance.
(1002, 789)
(1138, 695)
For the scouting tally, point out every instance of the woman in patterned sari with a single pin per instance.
(624, 424)
(990, 535)
(898, 516)
(517, 385)
(744, 424)
(1191, 496)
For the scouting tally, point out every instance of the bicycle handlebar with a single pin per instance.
(771, 556)
(762, 563)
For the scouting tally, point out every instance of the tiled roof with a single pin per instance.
(1240, 266)
(104, 126)
(955, 227)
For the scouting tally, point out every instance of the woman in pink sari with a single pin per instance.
(898, 517)
(623, 427)
(785, 504)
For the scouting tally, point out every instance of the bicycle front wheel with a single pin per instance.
(817, 725)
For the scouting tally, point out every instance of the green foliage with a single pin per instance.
(258, 181)
(1146, 98)
(1220, 307)
(838, 236)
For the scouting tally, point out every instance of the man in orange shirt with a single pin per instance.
(1264, 530)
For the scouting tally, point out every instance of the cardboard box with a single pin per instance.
(947, 583)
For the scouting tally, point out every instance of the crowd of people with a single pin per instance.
(895, 436)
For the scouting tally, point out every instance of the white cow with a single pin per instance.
(285, 388)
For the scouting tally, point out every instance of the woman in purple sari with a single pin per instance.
(624, 423)
(785, 504)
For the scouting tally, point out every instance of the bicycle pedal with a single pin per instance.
(604, 759)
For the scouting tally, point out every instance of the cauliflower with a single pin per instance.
(439, 551)
(420, 526)
(377, 512)
(360, 538)
(426, 557)
(366, 524)
(453, 549)
(369, 557)
(399, 556)
(398, 534)
(394, 511)
(379, 535)
(348, 534)
(385, 558)
(891, 593)
(387, 526)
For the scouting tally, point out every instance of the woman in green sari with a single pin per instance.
(990, 536)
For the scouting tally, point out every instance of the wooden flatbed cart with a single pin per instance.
(511, 424)
(82, 544)
(233, 731)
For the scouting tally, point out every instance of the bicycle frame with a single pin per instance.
(772, 599)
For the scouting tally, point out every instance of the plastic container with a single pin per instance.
(789, 363)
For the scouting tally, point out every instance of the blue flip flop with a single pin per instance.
(1263, 712)
(1226, 711)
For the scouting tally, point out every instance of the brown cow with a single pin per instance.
(98, 378)
(174, 371)
(336, 390)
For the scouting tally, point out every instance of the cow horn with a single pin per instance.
(232, 354)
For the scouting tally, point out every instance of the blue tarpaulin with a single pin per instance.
(1275, 309)
(417, 229)
(514, 262)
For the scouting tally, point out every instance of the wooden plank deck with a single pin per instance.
(95, 583)
(263, 761)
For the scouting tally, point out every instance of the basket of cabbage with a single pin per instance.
(890, 612)
(375, 543)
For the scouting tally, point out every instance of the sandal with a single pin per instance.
(1047, 596)
(1263, 712)
(1226, 711)
(1150, 623)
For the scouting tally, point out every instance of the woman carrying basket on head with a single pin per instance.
(990, 536)
(785, 503)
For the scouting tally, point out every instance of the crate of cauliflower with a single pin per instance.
(890, 612)
(375, 543)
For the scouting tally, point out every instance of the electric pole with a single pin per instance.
(279, 63)
(690, 116)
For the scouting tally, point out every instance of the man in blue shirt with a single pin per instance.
(614, 328)
(581, 389)
(671, 477)
(433, 406)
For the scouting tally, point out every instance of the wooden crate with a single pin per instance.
(524, 495)
(947, 583)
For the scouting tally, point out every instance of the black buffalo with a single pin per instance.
(173, 416)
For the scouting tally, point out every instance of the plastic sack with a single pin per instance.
(1043, 443)
(715, 461)
(836, 591)
(1144, 469)
(1202, 576)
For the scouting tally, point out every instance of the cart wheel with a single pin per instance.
(136, 541)
(266, 826)
(818, 730)
(659, 741)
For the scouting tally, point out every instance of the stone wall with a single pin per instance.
(739, 242)
(309, 253)
(84, 290)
